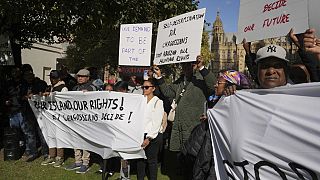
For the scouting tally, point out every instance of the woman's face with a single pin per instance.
(219, 86)
(148, 88)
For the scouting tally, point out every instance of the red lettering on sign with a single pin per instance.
(249, 28)
(282, 19)
(275, 5)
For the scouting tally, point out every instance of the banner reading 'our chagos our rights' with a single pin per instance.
(107, 123)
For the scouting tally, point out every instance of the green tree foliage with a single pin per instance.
(91, 25)
(205, 48)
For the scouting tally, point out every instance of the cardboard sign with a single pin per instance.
(135, 44)
(179, 38)
(271, 18)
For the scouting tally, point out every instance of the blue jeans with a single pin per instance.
(17, 121)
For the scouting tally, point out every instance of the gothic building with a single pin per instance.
(229, 55)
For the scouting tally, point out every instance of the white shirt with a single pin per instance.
(153, 117)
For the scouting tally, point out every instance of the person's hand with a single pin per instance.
(145, 143)
(230, 90)
(246, 45)
(199, 62)
(157, 70)
(311, 42)
(294, 38)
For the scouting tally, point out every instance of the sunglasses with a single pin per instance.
(146, 87)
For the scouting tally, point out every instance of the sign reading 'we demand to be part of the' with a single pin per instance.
(179, 38)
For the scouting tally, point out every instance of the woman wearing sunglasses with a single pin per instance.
(152, 124)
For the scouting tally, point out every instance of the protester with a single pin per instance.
(191, 91)
(56, 155)
(134, 85)
(197, 150)
(108, 87)
(30, 86)
(82, 157)
(299, 74)
(153, 120)
(16, 107)
(69, 80)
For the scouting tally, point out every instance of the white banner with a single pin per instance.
(271, 18)
(179, 38)
(107, 123)
(135, 44)
(267, 134)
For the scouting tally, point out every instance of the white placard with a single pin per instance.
(271, 18)
(135, 44)
(314, 15)
(267, 134)
(107, 123)
(179, 38)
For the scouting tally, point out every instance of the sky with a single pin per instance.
(229, 12)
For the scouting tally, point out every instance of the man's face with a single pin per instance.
(82, 79)
(54, 80)
(271, 72)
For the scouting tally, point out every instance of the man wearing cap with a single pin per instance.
(56, 155)
(82, 157)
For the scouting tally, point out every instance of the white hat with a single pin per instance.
(271, 51)
(83, 72)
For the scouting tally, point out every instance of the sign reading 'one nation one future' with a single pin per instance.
(107, 123)
(179, 38)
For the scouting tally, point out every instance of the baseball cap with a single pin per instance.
(83, 72)
(54, 74)
(271, 51)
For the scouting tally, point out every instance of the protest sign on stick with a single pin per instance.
(135, 44)
(107, 123)
(271, 18)
(179, 38)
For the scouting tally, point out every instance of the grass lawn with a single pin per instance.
(15, 170)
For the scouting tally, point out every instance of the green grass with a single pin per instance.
(16, 170)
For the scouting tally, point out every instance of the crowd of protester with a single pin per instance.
(188, 136)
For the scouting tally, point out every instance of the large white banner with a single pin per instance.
(135, 44)
(268, 134)
(107, 123)
(271, 18)
(179, 38)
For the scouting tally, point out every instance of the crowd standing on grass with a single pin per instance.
(189, 138)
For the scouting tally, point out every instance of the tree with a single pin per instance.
(205, 49)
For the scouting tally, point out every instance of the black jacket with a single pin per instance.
(198, 147)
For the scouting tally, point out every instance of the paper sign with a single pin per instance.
(179, 38)
(271, 18)
(135, 44)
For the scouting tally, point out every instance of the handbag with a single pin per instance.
(174, 104)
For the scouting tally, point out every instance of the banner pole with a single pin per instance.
(104, 169)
